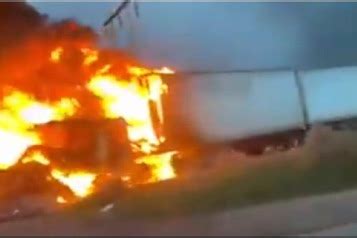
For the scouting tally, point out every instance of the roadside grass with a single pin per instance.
(326, 163)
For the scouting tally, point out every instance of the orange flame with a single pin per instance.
(136, 97)
(61, 200)
(33, 112)
(14, 145)
(56, 54)
(81, 183)
(161, 166)
(90, 56)
(36, 157)
(130, 100)
(19, 112)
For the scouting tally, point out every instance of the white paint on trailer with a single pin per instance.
(330, 94)
(229, 106)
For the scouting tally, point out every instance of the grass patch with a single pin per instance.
(327, 163)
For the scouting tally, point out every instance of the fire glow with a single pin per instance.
(81, 183)
(18, 114)
(133, 96)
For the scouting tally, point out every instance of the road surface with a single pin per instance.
(322, 214)
(341, 230)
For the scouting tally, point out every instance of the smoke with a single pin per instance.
(27, 38)
(247, 36)
(17, 20)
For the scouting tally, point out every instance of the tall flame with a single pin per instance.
(130, 99)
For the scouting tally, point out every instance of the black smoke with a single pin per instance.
(20, 21)
(17, 20)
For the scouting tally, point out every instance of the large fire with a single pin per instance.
(124, 91)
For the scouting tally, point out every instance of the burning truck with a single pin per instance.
(74, 115)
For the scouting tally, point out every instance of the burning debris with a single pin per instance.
(68, 105)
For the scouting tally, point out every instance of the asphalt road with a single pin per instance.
(342, 230)
(316, 215)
